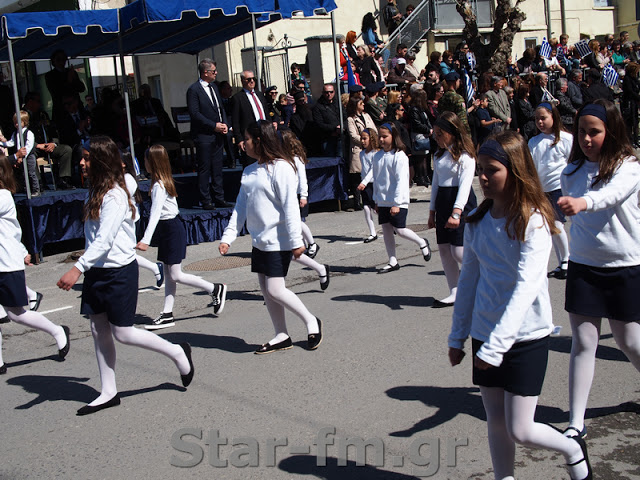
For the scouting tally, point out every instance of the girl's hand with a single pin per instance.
(297, 252)
(452, 223)
(303, 202)
(361, 186)
(455, 356)
(394, 211)
(481, 364)
(27, 259)
(142, 246)
(223, 248)
(431, 223)
(69, 279)
(572, 206)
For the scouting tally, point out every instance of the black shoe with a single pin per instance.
(441, 304)
(160, 281)
(3, 369)
(4, 319)
(219, 297)
(389, 268)
(208, 206)
(186, 379)
(585, 458)
(88, 409)
(559, 273)
(426, 256)
(574, 432)
(370, 238)
(35, 304)
(164, 320)
(312, 250)
(222, 204)
(267, 348)
(315, 339)
(62, 353)
(324, 285)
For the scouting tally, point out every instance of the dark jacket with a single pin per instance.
(630, 97)
(525, 114)
(242, 113)
(204, 115)
(574, 93)
(595, 91)
(565, 109)
(326, 116)
(419, 121)
(304, 127)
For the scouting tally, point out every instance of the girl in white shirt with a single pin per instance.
(369, 140)
(172, 238)
(27, 153)
(503, 304)
(13, 258)
(268, 203)
(550, 150)
(390, 175)
(110, 287)
(601, 186)
(451, 196)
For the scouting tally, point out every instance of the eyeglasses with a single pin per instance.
(211, 71)
(250, 79)
(273, 93)
(328, 92)
(401, 109)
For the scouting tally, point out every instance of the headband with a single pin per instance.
(493, 149)
(546, 105)
(594, 110)
(367, 131)
(387, 125)
(446, 125)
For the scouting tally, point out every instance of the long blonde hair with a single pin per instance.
(160, 168)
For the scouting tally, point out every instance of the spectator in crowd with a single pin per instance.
(370, 32)
(486, 123)
(446, 65)
(409, 10)
(411, 72)
(421, 130)
(618, 59)
(552, 63)
(271, 99)
(498, 102)
(512, 105)
(451, 101)
(539, 91)
(596, 89)
(297, 77)
(369, 69)
(401, 52)
(391, 16)
(326, 115)
(525, 64)
(398, 75)
(75, 126)
(608, 41)
(89, 103)
(631, 101)
(565, 106)
(372, 106)
(350, 46)
(432, 75)
(396, 117)
(61, 80)
(302, 124)
(286, 108)
(624, 37)
(574, 89)
(634, 56)
(525, 113)
(247, 106)
(357, 121)
(435, 59)
(155, 121)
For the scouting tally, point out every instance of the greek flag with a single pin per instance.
(471, 58)
(471, 92)
(582, 47)
(545, 48)
(610, 76)
(560, 55)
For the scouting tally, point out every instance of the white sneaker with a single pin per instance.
(164, 320)
(219, 297)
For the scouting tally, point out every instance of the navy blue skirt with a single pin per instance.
(271, 264)
(522, 370)
(603, 292)
(553, 197)
(13, 289)
(443, 206)
(113, 291)
(171, 238)
(398, 220)
(367, 195)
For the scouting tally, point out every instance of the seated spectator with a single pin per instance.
(370, 32)
(446, 65)
(350, 47)
(435, 59)
(574, 90)
(595, 88)
(75, 126)
(525, 64)
(618, 59)
(552, 63)
(411, 71)
(634, 55)
(369, 69)
(398, 75)
(153, 119)
(401, 51)
(539, 92)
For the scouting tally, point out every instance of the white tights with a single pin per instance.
(103, 334)
(37, 321)
(32, 295)
(278, 297)
(390, 242)
(585, 337)
(368, 217)
(175, 275)
(451, 258)
(510, 421)
(306, 233)
(148, 265)
(311, 263)
(561, 244)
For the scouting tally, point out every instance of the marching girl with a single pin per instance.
(451, 196)
(268, 203)
(172, 238)
(34, 303)
(601, 185)
(550, 150)
(13, 258)
(110, 287)
(132, 187)
(293, 145)
(390, 175)
(369, 140)
(503, 304)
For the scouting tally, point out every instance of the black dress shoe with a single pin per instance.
(186, 379)
(62, 353)
(370, 238)
(389, 268)
(427, 257)
(3, 369)
(440, 304)
(34, 305)
(315, 339)
(88, 409)
(4, 319)
(267, 348)
(585, 458)
(222, 204)
(324, 285)
(208, 206)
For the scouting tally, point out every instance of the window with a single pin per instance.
(530, 42)
(156, 87)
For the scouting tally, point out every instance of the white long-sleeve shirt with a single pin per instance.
(30, 140)
(550, 160)
(12, 251)
(503, 294)
(390, 174)
(163, 207)
(449, 173)
(366, 160)
(132, 188)
(607, 234)
(303, 187)
(268, 202)
(110, 240)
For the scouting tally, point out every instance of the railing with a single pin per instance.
(412, 29)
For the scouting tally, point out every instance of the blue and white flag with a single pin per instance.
(471, 92)
(545, 48)
(610, 76)
(471, 58)
(582, 47)
(560, 55)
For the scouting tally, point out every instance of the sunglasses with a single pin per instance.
(250, 79)
(327, 92)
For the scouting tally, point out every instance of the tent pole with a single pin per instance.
(336, 56)
(16, 100)
(115, 71)
(255, 51)
(126, 101)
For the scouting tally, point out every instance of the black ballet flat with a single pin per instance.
(186, 379)
(427, 257)
(574, 432)
(324, 285)
(315, 339)
(389, 268)
(3, 369)
(62, 353)
(441, 304)
(585, 458)
(370, 238)
(267, 348)
(5, 319)
(88, 409)
(35, 304)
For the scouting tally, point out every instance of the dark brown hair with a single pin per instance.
(396, 140)
(160, 170)
(558, 126)
(293, 145)
(267, 144)
(462, 142)
(7, 180)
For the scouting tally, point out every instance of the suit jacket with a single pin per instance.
(242, 113)
(204, 114)
(499, 104)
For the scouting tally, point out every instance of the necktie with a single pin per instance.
(255, 100)
(215, 101)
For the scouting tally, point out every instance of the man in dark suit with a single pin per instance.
(247, 106)
(152, 117)
(208, 129)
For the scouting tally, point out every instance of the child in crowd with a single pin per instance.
(600, 187)
(550, 150)
(172, 238)
(390, 175)
(268, 203)
(503, 304)
(13, 258)
(451, 196)
(369, 139)
(486, 122)
(293, 145)
(27, 152)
